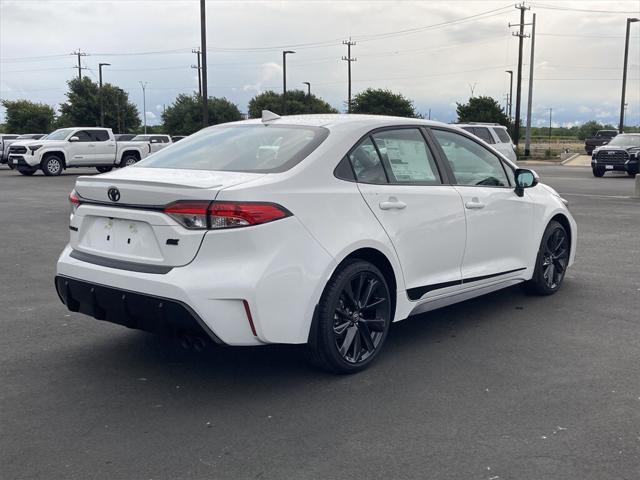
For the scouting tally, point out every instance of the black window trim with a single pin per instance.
(474, 139)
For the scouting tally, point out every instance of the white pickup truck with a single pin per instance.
(75, 147)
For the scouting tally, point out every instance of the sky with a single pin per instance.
(433, 52)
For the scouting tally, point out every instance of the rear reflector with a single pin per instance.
(200, 215)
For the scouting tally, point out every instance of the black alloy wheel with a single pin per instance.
(552, 260)
(353, 319)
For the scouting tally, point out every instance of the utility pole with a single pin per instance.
(550, 116)
(348, 59)
(624, 72)
(199, 68)
(472, 87)
(144, 104)
(429, 114)
(521, 36)
(510, 96)
(284, 80)
(527, 140)
(100, 65)
(79, 54)
(203, 54)
(308, 96)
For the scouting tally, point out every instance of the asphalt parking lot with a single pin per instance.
(502, 387)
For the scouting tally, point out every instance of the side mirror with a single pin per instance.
(525, 179)
(74, 139)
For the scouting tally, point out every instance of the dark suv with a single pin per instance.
(622, 153)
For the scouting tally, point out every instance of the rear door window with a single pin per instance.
(502, 135)
(484, 134)
(100, 135)
(408, 157)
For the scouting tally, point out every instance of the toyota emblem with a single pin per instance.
(114, 194)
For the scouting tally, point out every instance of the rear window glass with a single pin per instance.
(502, 135)
(241, 148)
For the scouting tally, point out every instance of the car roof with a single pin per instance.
(354, 121)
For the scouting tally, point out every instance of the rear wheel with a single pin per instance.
(52, 166)
(128, 159)
(104, 169)
(353, 319)
(598, 172)
(551, 262)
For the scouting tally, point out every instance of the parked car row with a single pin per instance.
(78, 147)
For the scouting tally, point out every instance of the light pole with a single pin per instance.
(308, 96)
(100, 65)
(510, 101)
(284, 80)
(550, 116)
(624, 72)
(144, 104)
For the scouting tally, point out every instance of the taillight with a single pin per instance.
(243, 214)
(200, 215)
(190, 214)
(74, 201)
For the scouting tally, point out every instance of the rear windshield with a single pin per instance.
(241, 148)
(502, 135)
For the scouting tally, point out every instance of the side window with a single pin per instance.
(408, 156)
(100, 135)
(472, 164)
(366, 163)
(83, 135)
(502, 135)
(484, 134)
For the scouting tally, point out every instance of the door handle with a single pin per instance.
(474, 204)
(392, 204)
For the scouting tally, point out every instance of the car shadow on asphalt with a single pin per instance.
(133, 351)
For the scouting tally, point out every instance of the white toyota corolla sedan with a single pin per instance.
(318, 230)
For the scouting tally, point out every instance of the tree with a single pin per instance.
(24, 116)
(82, 108)
(482, 109)
(184, 115)
(383, 102)
(298, 103)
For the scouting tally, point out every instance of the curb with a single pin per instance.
(567, 160)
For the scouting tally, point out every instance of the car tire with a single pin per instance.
(632, 173)
(27, 173)
(128, 160)
(10, 166)
(52, 166)
(352, 319)
(551, 261)
(104, 169)
(598, 172)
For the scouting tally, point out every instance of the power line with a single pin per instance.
(581, 10)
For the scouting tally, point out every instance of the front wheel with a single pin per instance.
(52, 166)
(551, 262)
(632, 173)
(27, 173)
(352, 319)
(104, 169)
(598, 172)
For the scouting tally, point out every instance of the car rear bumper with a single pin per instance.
(130, 309)
(249, 286)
